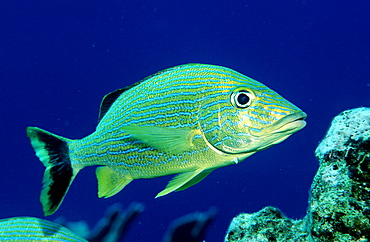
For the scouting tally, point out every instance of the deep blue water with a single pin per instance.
(59, 58)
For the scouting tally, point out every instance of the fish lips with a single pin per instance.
(285, 126)
(272, 135)
(290, 124)
(278, 132)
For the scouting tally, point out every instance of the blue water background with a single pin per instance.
(59, 58)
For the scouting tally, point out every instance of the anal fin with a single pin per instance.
(185, 180)
(110, 182)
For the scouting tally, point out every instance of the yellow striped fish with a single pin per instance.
(189, 119)
(25, 229)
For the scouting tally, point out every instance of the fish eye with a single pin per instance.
(241, 99)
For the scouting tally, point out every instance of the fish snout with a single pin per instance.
(291, 123)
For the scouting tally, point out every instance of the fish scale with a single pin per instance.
(186, 120)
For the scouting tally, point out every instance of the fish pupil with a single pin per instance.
(243, 99)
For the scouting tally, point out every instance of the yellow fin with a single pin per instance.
(110, 182)
(184, 180)
(171, 140)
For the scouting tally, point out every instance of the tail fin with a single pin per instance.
(52, 150)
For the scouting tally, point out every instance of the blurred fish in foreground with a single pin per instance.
(191, 227)
(115, 223)
(189, 119)
(34, 229)
(110, 228)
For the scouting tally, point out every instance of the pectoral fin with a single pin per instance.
(110, 182)
(170, 140)
(185, 180)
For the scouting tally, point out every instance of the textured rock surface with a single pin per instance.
(268, 224)
(339, 206)
(340, 193)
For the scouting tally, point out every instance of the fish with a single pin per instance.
(35, 229)
(187, 120)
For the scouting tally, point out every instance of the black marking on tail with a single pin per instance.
(59, 172)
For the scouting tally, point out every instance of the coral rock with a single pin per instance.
(339, 205)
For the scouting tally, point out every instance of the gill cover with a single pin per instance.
(223, 120)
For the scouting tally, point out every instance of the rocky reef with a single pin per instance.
(339, 205)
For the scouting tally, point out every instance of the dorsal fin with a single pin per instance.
(107, 102)
(110, 98)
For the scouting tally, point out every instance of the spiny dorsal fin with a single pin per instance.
(110, 98)
(107, 102)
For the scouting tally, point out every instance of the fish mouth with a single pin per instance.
(285, 126)
(280, 131)
(290, 124)
(272, 135)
